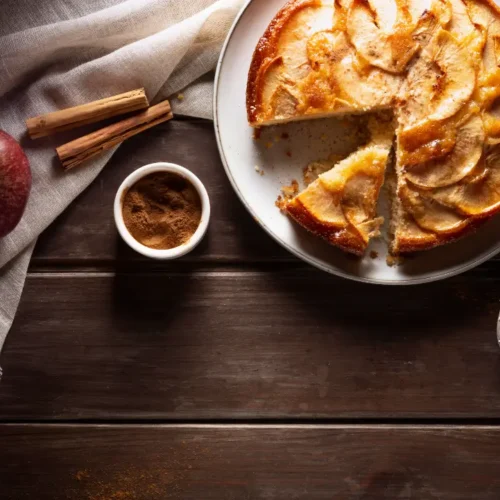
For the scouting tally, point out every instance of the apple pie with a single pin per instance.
(436, 66)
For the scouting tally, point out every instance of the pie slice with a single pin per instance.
(340, 206)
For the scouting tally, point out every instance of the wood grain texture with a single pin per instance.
(86, 231)
(230, 344)
(256, 462)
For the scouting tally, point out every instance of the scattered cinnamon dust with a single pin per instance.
(132, 483)
(162, 210)
(160, 476)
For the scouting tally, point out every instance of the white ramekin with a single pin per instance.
(172, 253)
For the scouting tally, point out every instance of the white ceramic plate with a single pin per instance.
(309, 141)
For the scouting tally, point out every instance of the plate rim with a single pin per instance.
(297, 253)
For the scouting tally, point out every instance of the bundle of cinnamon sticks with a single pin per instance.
(80, 150)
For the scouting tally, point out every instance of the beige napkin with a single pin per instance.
(66, 52)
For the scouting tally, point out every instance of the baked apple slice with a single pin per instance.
(477, 195)
(440, 83)
(391, 49)
(455, 165)
(369, 88)
(340, 206)
(429, 214)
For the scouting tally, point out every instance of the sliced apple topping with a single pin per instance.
(485, 18)
(480, 12)
(420, 82)
(322, 204)
(388, 50)
(456, 165)
(370, 88)
(283, 104)
(368, 161)
(293, 41)
(288, 62)
(346, 195)
(440, 83)
(320, 89)
(340, 8)
(456, 76)
(488, 91)
(437, 16)
(428, 213)
(477, 195)
(358, 180)
(471, 36)
(425, 141)
(359, 202)
(460, 24)
(326, 47)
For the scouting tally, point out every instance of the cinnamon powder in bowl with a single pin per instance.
(162, 210)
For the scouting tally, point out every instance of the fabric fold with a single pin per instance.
(69, 54)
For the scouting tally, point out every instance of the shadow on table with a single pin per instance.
(146, 297)
(389, 313)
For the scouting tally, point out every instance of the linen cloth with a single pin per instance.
(60, 53)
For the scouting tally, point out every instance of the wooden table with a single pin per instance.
(238, 372)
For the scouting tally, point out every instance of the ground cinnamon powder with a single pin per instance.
(162, 210)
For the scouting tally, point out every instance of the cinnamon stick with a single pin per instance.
(67, 119)
(80, 150)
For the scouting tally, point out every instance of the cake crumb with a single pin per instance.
(288, 153)
(281, 203)
(259, 170)
(287, 193)
(373, 254)
(290, 191)
(180, 97)
(394, 260)
(269, 145)
(285, 135)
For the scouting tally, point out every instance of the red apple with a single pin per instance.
(15, 183)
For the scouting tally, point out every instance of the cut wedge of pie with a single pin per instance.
(340, 206)
(437, 67)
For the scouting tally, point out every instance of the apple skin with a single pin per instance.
(15, 183)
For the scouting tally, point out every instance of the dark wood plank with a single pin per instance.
(235, 463)
(86, 230)
(230, 344)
